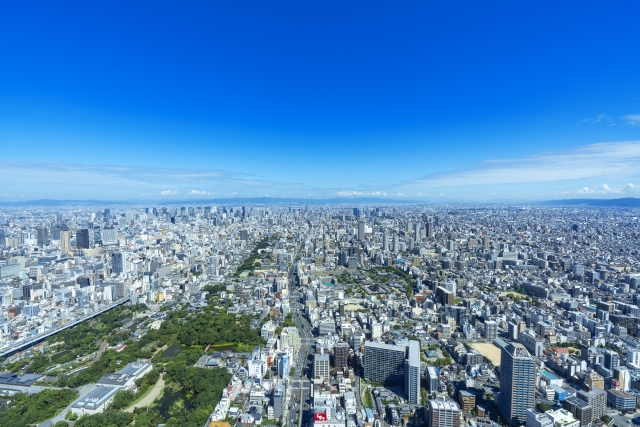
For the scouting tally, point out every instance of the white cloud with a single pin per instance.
(359, 193)
(605, 189)
(200, 193)
(599, 119)
(169, 193)
(632, 119)
(603, 160)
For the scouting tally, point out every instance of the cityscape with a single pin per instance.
(319, 214)
(323, 315)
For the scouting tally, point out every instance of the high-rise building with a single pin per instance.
(432, 379)
(430, 232)
(385, 241)
(361, 229)
(444, 413)
(65, 241)
(3, 237)
(118, 263)
(412, 373)
(394, 365)
(341, 355)
(321, 366)
(97, 235)
(82, 238)
(597, 399)
(517, 383)
(42, 236)
(490, 330)
(279, 400)
(109, 236)
(611, 360)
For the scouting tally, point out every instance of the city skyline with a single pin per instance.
(433, 103)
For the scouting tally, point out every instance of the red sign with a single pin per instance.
(320, 416)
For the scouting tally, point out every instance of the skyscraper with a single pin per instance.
(517, 383)
(430, 229)
(412, 373)
(65, 242)
(3, 237)
(361, 230)
(42, 235)
(118, 263)
(82, 238)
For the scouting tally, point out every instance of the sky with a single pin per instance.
(429, 101)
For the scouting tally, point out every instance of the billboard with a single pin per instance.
(320, 416)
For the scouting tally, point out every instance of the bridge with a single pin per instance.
(23, 345)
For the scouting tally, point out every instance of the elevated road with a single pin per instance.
(23, 345)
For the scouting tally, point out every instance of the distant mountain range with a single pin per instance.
(626, 202)
(221, 201)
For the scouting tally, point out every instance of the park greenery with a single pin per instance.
(70, 344)
(25, 409)
(203, 388)
(210, 327)
(250, 262)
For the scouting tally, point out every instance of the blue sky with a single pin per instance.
(468, 101)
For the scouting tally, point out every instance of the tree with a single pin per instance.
(543, 407)
(368, 400)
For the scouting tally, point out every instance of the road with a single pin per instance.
(149, 398)
(300, 403)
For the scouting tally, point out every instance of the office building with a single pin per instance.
(341, 355)
(65, 241)
(611, 360)
(82, 238)
(621, 400)
(42, 236)
(490, 330)
(119, 262)
(432, 379)
(109, 236)
(361, 230)
(517, 383)
(321, 366)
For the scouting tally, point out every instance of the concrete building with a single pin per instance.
(394, 365)
(517, 383)
(444, 413)
(490, 330)
(321, 366)
(597, 399)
